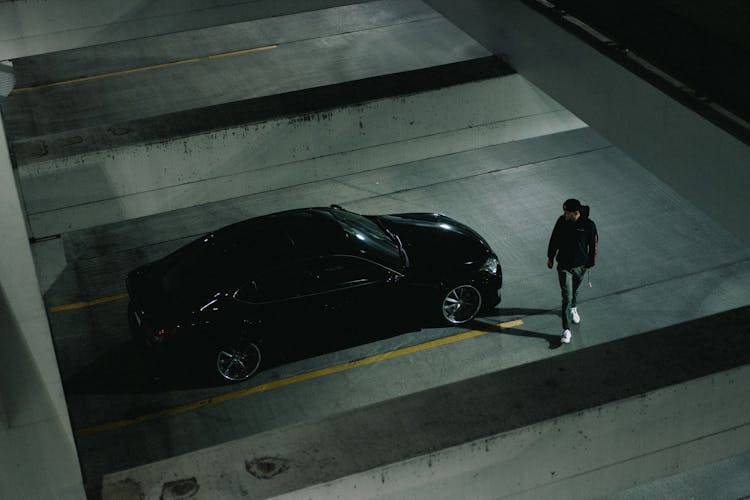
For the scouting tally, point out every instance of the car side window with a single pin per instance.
(278, 284)
(340, 272)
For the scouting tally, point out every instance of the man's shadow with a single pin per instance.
(553, 341)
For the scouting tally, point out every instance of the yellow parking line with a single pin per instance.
(79, 305)
(291, 380)
(143, 68)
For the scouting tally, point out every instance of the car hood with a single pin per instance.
(436, 241)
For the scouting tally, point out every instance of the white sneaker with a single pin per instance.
(574, 313)
(565, 337)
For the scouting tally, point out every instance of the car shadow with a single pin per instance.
(123, 369)
(130, 368)
(320, 340)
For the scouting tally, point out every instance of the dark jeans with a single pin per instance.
(570, 280)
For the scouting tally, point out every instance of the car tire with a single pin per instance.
(237, 359)
(132, 325)
(460, 304)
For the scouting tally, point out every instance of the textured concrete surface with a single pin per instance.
(723, 479)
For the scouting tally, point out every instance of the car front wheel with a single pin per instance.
(238, 360)
(461, 304)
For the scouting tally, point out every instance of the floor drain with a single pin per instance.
(266, 467)
(183, 488)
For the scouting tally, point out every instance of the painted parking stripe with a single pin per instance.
(89, 303)
(144, 68)
(292, 380)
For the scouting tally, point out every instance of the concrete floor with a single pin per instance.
(662, 261)
(655, 270)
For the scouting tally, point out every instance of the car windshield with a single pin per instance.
(369, 238)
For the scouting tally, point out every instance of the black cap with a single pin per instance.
(572, 205)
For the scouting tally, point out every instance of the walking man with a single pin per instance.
(574, 242)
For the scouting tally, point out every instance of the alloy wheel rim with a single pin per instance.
(238, 362)
(461, 304)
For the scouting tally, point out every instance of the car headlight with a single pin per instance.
(489, 266)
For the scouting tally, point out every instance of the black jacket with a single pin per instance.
(575, 243)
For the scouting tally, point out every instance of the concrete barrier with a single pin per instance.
(588, 454)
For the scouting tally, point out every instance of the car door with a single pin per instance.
(322, 304)
(373, 301)
(277, 294)
(355, 290)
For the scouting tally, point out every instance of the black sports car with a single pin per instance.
(229, 290)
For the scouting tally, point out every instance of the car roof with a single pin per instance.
(229, 256)
(303, 231)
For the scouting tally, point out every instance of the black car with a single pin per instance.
(229, 290)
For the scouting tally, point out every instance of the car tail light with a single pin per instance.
(165, 332)
(158, 334)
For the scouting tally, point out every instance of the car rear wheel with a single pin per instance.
(238, 360)
(461, 304)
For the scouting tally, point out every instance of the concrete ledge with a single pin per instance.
(577, 425)
(305, 102)
(588, 454)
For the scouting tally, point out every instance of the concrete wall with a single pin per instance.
(42, 26)
(699, 160)
(583, 455)
(38, 457)
(97, 188)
